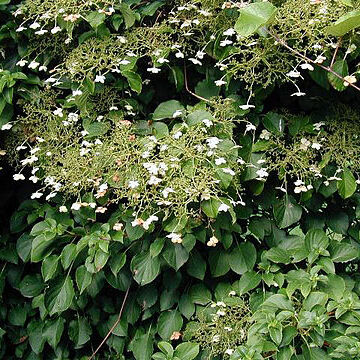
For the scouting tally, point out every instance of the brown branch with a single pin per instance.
(335, 53)
(188, 90)
(113, 327)
(326, 68)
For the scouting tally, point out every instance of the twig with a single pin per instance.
(113, 327)
(326, 68)
(335, 53)
(189, 91)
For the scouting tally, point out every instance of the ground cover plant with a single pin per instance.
(180, 179)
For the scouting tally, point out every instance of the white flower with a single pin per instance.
(293, 74)
(320, 59)
(200, 55)
(118, 226)
(307, 66)
(175, 238)
(162, 60)
(228, 171)
(20, 28)
(124, 62)
(76, 206)
(150, 220)
(177, 113)
(213, 241)
(298, 182)
(51, 195)
(207, 122)
(167, 191)
(133, 184)
(223, 207)
(177, 135)
(153, 70)
(220, 82)
(77, 92)
(34, 25)
(226, 42)
(36, 195)
(63, 209)
(349, 79)
(220, 161)
(151, 168)
(298, 93)
(42, 68)
(213, 142)
(229, 32)
(7, 126)
(195, 61)
(34, 179)
(250, 127)
(246, 106)
(221, 313)
(41, 32)
(265, 135)
(304, 144)
(55, 29)
(22, 63)
(262, 173)
(58, 112)
(299, 189)
(316, 146)
(232, 293)
(229, 351)
(17, 177)
(216, 338)
(317, 126)
(33, 65)
(179, 55)
(99, 79)
(154, 180)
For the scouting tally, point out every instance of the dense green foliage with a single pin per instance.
(180, 179)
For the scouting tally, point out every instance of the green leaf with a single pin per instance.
(347, 185)
(198, 116)
(196, 265)
(59, 295)
(316, 242)
(143, 347)
(187, 351)
(128, 14)
(344, 252)
(95, 18)
(166, 348)
(178, 77)
(169, 322)
(83, 278)
(243, 258)
(175, 255)
(287, 212)
(68, 255)
(276, 334)
(334, 286)
(274, 122)
(167, 109)
(211, 207)
(23, 247)
(186, 306)
(53, 331)
(49, 266)
(254, 16)
(250, 280)
(344, 24)
(145, 268)
(31, 285)
(200, 294)
(278, 301)
(207, 89)
(134, 80)
(341, 68)
(219, 262)
(80, 331)
(278, 255)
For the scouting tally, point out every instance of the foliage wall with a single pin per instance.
(179, 179)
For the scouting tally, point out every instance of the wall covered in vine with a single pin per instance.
(179, 179)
